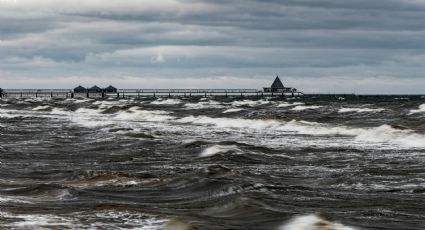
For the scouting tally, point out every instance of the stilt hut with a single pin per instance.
(80, 89)
(277, 86)
(110, 89)
(95, 89)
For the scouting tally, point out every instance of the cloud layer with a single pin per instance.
(351, 46)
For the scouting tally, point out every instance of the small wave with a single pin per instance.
(93, 179)
(304, 107)
(88, 111)
(108, 104)
(285, 104)
(231, 122)
(232, 110)
(176, 224)
(10, 199)
(133, 114)
(313, 222)
(166, 102)
(421, 109)
(41, 107)
(218, 149)
(210, 104)
(57, 111)
(359, 110)
(250, 103)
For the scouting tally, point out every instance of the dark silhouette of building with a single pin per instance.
(277, 84)
(95, 89)
(278, 87)
(80, 89)
(110, 89)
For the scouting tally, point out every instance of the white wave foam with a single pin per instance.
(81, 220)
(232, 110)
(57, 111)
(133, 114)
(359, 110)
(108, 104)
(87, 111)
(421, 109)
(231, 122)
(210, 104)
(41, 107)
(250, 103)
(166, 102)
(313, 222)
(10, 199)
(285, 104)
(381, 134)
(305, 107)
(217, 149)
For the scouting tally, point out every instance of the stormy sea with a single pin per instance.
(213, 163)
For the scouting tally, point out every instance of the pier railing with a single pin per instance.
(69, 93)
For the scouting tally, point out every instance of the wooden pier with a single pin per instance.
(121, 93)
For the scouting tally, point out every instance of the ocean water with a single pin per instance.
(212, 163)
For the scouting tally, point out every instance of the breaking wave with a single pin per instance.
(210, 104)
(232, 110)
(250, 103)
(41, 107)
(313, 222)
(166, 102)
(133, 114)
(359, 110)
(218, 149)
(380, 134)
(285, 104)
(421, 109)
(305, 107)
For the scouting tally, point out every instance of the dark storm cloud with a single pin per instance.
(311, 38)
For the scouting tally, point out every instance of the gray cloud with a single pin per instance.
(301, 39)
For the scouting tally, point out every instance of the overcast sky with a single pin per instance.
(358, 46)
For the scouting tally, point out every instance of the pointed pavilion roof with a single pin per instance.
(277, 84)
(110, 88)
(80, 89)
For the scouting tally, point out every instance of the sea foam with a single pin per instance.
(380, 134)
(421, 109)
(133, 114)
(313, 222)
(305, 107)
(166, 102)
(359, 110)
(218, 149)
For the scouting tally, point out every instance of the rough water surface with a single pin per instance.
(212, 163)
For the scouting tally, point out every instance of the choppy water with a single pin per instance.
(212, 163)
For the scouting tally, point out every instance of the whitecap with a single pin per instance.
(210, 104)
(380, 134)
(249, 103)
(166, 102)
(232, 110)
(303, 107)
(41, 107)
(360, 110)
(313, 222)
(421, 109)
(218, 149)
(285, 104)
(133, 114)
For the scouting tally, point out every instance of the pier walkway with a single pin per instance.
(120, 93)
